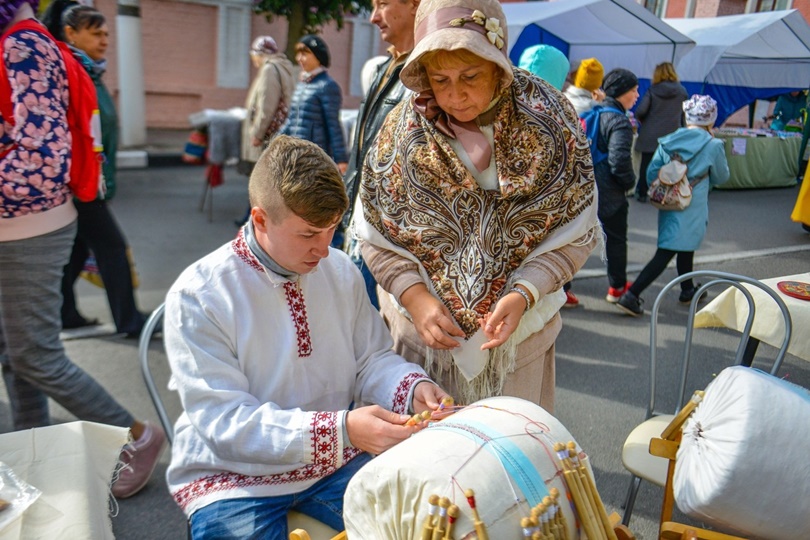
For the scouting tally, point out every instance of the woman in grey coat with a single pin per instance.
(660, 113)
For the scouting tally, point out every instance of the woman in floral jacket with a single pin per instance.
(37, 227)
(478, 204)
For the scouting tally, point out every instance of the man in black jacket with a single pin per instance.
(395, 19)
(615, 175)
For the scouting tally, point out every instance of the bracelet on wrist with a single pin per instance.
(525, 296)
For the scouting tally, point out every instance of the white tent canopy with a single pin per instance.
(620, 33)
(758, 50)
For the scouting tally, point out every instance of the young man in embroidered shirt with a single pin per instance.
(274, 345)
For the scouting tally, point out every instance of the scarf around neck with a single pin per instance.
(262, 256)
(420, 200)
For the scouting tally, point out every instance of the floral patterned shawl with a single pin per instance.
(420, 197)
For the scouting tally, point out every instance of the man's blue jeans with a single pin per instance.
(266, 517)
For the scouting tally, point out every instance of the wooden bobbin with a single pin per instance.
(441, 522)
(480, 526)
(427, 527)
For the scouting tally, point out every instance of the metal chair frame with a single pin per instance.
(743, 350)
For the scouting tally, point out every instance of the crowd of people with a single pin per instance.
(445, 239)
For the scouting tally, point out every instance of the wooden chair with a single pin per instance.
(635, 455)
(295, 520)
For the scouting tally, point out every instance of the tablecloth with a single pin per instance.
(72, 464)
(730, 309)
(761, 162)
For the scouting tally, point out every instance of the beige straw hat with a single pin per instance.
(476, 25)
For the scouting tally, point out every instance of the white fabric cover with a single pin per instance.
(388, 497)
(743, 462)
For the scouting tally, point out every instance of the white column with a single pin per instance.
(132, 95)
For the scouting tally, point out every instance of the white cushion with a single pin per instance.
(743, 461)
(387, 498)
(636, 455)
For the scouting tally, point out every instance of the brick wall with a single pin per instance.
(179, 43)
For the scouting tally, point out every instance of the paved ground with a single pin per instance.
(603, 372)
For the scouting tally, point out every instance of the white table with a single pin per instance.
(72, 464)
(730, 310)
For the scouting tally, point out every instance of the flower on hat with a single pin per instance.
(494, 32)
(491, 25)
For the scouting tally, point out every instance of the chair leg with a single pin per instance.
(630, 501)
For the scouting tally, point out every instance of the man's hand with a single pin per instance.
(432, 319)
(504, 320)
(427, 396)
(375, 430)
(342, 167)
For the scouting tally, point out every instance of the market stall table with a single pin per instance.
(72, 464)
(730, 310)
(760, 158)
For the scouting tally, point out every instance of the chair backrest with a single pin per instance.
(148, 331)
(711, 278)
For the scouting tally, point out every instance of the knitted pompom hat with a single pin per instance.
(589, 74)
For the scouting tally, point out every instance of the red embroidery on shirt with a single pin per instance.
(240, 247)
(298, 310)
(323, 431)
(400, 404)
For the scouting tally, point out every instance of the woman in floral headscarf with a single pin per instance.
(478, 204)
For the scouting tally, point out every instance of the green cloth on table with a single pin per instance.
(768, 162)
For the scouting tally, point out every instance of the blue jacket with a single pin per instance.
(683, 230)
(315, 115)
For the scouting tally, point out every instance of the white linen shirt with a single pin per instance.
(265, 376)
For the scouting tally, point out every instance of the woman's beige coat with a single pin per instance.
(274, 79)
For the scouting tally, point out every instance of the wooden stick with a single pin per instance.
(438, 532)
(480, 526)
(427, 528)
(600, 507)
(452, 515)
(586, 516)
(589, 490)
(560, 516)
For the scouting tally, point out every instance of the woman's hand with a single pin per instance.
(432, 319)
(255, 141)
(427, 396)
(503, 320)
(375, 430)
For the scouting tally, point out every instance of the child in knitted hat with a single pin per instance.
(585, 92)
(681, 232)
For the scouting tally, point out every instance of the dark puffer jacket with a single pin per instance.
(660, 112)
(315, 115)
(614, 175)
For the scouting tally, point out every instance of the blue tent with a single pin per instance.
(740, 58)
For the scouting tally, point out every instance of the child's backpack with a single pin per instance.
(590, 125)
(85, 179)
(671, 190)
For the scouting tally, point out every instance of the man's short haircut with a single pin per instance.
(296, 174)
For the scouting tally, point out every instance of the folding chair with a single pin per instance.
(296, 522)
(635, 452)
